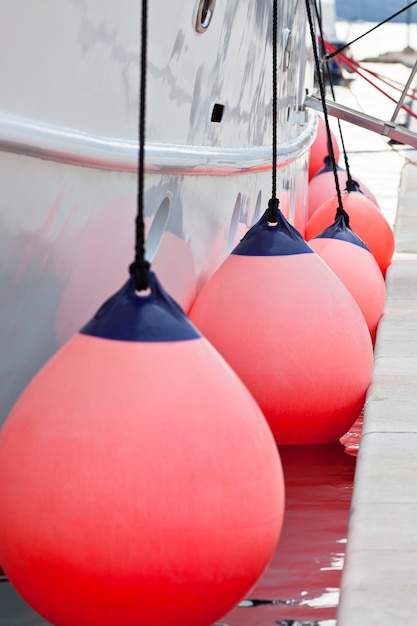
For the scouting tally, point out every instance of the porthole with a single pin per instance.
(205, 12)
(157, 229)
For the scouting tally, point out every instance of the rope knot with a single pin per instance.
(352, 185)
(273, 210)
(341, 211)
(139, 272)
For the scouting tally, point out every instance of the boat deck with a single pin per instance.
(380, 575)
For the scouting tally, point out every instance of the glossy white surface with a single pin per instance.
(68, 142)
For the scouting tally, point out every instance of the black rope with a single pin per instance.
(139, 268)
(273, 204)
(330, 56)
(340, 209)
(349, 181)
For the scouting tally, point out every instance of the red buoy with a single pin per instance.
(139, 480)
(291, 331)
(366, 220)
(356, 267)
(320, 149)
(322, 187)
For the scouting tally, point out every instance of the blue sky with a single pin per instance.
(374, 10)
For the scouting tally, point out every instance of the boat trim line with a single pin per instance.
(32, 138)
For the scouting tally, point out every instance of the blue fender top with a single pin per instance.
(339, 230)
(279, 239)
(127, 316)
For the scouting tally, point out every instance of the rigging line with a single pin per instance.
(273, 203)
(384, 93)
(274, 98)
(329, 78)
(351, 64)
(340, 209)
(391, 83)
(388, 19)
(139, 268)
(404, 107)
(354, 66)
(361, 71)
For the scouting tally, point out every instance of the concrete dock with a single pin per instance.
(379, 582)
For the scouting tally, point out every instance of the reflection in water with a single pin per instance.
(15, 612)
(301, 585)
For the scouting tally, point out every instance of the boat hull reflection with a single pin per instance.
(303, 580)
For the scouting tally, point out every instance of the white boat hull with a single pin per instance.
(68, 160)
